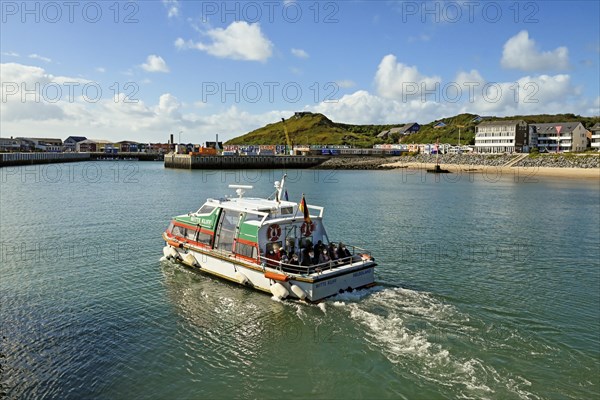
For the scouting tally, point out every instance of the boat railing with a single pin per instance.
(357, 254)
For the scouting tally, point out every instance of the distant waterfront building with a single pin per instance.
(126, 146)
(405, 129)
(505, 136)
(44, 144)
(596, 136)
(96, 146)
(573, 136)
(70, 143)
(479, 118)
(384, 134)
(10, 144)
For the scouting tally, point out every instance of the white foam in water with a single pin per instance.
(388, 315)
(163, 258)
(322, 307)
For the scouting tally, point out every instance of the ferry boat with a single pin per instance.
(272, 245)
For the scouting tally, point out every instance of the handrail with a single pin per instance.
(309, 269)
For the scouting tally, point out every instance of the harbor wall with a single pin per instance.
(14, 159)
(186, 161)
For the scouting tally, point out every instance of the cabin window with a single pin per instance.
(170, 228)
(287, 210)
(229, 222)
(204, 238)
(191, 234)
(252, 217)
(206, 209)
(246, 250)
(178, 231)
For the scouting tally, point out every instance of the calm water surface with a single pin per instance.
(488, 288)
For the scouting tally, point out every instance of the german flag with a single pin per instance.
(304, 208)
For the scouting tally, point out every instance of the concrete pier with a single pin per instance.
(14, 159)
(186, 161)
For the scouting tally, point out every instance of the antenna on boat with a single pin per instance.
(279, 187)
(241, 189)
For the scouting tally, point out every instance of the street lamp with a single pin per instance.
(180, 132)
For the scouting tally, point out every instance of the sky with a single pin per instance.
(141, 70)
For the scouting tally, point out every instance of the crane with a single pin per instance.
(287, 138)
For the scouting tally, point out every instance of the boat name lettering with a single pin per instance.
(326, 283)
(363, 272)
(202, 221)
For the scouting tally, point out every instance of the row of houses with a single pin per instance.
(83, 144)
(517, 136)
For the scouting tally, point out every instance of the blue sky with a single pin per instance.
(140, 70)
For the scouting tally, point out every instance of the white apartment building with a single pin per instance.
(596, 136)
(569, 136)
(504, 136)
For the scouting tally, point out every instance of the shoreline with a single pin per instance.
(520, 173)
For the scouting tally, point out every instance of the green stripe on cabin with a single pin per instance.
(248, 232)
(206, 221)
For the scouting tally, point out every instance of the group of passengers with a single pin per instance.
(308, 255)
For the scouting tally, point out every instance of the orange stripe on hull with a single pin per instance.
(276, 277)
(173, 243)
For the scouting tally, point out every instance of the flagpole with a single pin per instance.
(297, 208)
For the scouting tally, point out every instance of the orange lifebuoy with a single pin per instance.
(274, 232)
(307, 229)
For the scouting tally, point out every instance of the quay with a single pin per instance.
(16, 159)
(186, 161)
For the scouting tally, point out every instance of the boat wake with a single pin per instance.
(424, 336)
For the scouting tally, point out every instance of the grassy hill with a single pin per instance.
(313, 128)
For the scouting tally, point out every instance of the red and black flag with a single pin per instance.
(304, 208)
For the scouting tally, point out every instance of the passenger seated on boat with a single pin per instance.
(294, 260)
(307, 257)
(273, 256)
(290, 246)
(324, 256)
(332, 251)
(283, 257)
(315, 258)
(342, 251)
(319, 247)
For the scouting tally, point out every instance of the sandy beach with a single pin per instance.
(522, 174)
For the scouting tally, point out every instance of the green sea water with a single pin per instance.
(488, 288)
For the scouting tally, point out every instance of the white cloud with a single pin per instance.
(100, 69)
(117, 119)
(521, 52)
(397, 80)
(10, 54)
(361, 107)
(113, 119)
(345, 83)
(173, 8)
(299, 53)
(181, 44)
(239, 41)
(155, 63)
(38, 57)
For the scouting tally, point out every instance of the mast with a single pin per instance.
(280, 187)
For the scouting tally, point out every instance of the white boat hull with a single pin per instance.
(314, 287)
